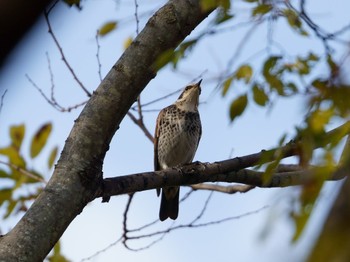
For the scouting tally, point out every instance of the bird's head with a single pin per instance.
(189, 98)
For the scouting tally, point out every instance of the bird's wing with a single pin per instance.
(156, 138)
(200, 129)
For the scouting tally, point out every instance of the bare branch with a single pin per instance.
(141, 125)
(137, 16)
(231, 170)
(98, 56)
(193, 225)
(53, 102)
(64, 59)
(2, 100)
(102, 250)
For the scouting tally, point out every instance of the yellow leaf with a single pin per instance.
(226, 85)
(39, 140)
(259, 96)
(13, 155)
(17, 135)
(319, 118)
(127, 42)
(237, 106)
(261, 9)
(244, 72)
(107, 28)
(52, 157)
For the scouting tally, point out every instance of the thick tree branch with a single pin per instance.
(78, 173)
(231, 170)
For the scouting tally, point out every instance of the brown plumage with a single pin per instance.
(178, 131)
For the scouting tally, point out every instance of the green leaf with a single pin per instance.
(259, 95)
(173, 56)
(334, 68)
(56, 256)
(10, 208)
(313, 57)
(237, 106)
(4, 174)
(307, 198)
(226, 86)
(292, 18)
(17, 135)
(208, 5)
(39, 140)
(163, 59)
(319, 118)
(275, 84)
(261, 10)
(127, 42)
(107, 28)
(14, 157)
(73, 2)
(244, 72)
(291, 88)
(269, 172)
(270, 64)
(5, 194)
(222, 16)
(52, 157)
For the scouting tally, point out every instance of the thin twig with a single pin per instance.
(52, 7)
(98, 56)
(142, 126)
(125, 218)
(51, 79)
(24, 172)
(158, 99)
(193, 225)
(102, 250)
(2, 100)
(54, 103)
(137, 16)
(64, 59)
(204, 208)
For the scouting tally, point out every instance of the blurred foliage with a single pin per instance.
(56, 255)
(23, 184)
(280, 75)
(107, 28)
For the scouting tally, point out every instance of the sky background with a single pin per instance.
(265, 235)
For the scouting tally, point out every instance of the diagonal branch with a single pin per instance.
(78, 174)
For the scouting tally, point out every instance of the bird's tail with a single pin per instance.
(169, 206)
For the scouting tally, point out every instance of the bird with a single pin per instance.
(177, 134)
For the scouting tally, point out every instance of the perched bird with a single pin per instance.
(178, 131)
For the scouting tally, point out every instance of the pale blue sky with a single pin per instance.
(100, 224)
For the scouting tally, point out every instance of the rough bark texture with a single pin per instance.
(78, 175)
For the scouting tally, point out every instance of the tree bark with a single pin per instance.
(78, 174)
